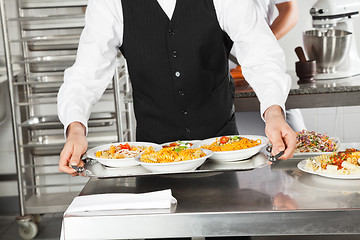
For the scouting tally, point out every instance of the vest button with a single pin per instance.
(181, 93)
(185, 112)
(187, 130)
(177, 74)
(171, 31)
(174, 54)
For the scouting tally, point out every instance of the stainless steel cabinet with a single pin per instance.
(48, 33)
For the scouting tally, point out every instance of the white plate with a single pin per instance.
(301, 165)
(173, 167)
(257, 161)
(123, 162)
(236, 155)
(309, 154)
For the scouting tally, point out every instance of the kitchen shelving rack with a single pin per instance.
(48, 33)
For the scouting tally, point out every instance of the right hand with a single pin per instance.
(75, 146)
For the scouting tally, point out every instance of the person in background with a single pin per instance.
(177, 57)
(280, 25)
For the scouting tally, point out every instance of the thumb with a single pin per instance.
(75, 158)
(278, 143)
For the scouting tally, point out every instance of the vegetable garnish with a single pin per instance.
(314, 142)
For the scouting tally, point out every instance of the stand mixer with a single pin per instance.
(333, 20)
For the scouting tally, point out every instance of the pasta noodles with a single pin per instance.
(232, 143)
(121, 151)
(171, 154)
(341, 163)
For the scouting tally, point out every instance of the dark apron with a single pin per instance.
(179, 71)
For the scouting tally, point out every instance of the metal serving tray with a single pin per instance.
(44, 77)
(31, 4)
(47, 78)
(50, 43)
(100, 119)
(94, 169)
(52, 23)
(49, 63)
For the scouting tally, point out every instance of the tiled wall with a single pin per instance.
(341, 121)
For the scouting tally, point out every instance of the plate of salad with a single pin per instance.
(311, 143)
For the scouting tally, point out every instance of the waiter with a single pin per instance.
(177, 55)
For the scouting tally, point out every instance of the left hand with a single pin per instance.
(280, 134)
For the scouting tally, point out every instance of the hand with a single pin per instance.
(75, 146)
(284, 202)
(280, 134)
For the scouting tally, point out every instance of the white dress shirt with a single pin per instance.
(258, 51)
(267, 7)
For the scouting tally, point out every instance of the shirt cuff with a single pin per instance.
(265, 106)
(81, 119)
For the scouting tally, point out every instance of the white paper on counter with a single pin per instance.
(120, 204)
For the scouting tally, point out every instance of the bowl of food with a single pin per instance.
(121, 154)
(173, 159)
(329, 48)
(235, 147)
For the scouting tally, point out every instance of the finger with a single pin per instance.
(75, 158)
(290, 141)
(65, 156)
(277, 143)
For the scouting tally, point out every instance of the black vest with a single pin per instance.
(182, 88)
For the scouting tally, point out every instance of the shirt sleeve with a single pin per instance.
(86, 81)
(257, 50)
(281, 1)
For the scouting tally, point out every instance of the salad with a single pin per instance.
(311, 141)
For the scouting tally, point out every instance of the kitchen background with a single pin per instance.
(339, 121)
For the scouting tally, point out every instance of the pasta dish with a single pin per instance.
(341, 163)
(232, 143)
(122, 151)
(171, 154)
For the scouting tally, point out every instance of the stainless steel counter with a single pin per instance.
(273, 200)
(322, 93)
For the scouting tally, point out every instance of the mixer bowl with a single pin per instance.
(328, 48)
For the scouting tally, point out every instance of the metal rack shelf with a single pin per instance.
(39, 137)
(52, 122)
(52, 43)
(36, 4)
(54, 24)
